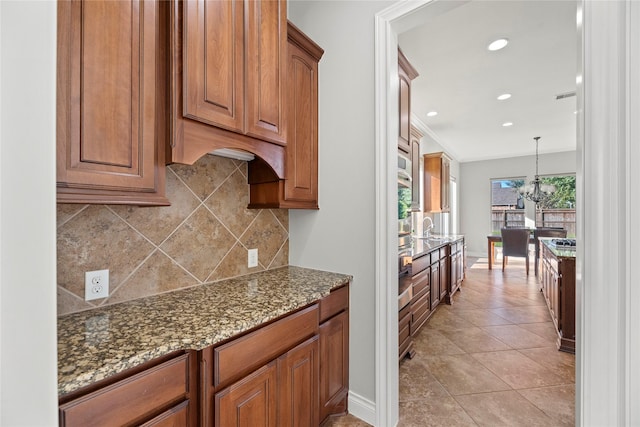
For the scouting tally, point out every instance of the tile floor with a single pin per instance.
(487, 360)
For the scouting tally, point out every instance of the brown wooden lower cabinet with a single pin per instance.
(298, 372)
(164, 394)
(435, 284)
(250, 401)
(405, 343)
(421, 301)
(292, 372)
(436, 275)
(558, 276)
(334, 369)
(456, 269)
(282, 393)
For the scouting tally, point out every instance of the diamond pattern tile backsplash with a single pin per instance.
(202, 237)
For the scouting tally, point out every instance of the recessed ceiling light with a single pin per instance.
(497, 44)
(504, 96)
(432, 113)
(507, 124)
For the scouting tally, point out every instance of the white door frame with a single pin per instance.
(608, 130)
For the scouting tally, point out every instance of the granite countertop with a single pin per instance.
(95, 344)
(422, 246)
(558, 251)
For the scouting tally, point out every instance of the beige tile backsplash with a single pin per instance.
(202, 237)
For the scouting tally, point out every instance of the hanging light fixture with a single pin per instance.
(536, 191)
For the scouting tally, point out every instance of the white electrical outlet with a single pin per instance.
(96, 284)
(253, 258)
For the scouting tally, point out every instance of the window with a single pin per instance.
(559, 209)
(507, 205)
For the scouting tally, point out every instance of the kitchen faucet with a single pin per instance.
(426, 231)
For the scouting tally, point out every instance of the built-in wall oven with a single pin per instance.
(405, 253)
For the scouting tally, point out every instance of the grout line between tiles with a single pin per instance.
(72, 216)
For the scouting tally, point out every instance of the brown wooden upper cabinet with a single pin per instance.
(228, 73)
(299, 189)
(110, 102)
(436, 182)
(406, 73)
(235, 58)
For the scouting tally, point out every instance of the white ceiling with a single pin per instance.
(460, 79)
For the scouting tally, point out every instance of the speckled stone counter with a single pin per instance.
(96, 344)
(558, 251)
(422, 246)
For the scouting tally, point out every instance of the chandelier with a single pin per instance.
(536, 191)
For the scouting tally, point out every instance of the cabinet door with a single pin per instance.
(213, 66)
(298, 373)
(266, 62)
(301, 182)
(444, 277)
(415, 169)
(334, 370)
(251, 402)
(454, 269)
(406, 73)
(446, 185)
(234, 69)
(174, 417)
(110, 148)
(435, 285)
(432, 183)
(405, 111)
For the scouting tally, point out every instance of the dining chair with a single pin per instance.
(515, 242)
(545, 232)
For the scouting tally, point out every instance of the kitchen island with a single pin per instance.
(203, 324)
(558, 285)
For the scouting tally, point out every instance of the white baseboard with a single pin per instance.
(362, 408)
(477, 254)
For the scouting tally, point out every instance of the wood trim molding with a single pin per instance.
(386, 110)
(608, 108)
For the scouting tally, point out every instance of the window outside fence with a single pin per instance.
(557, 210)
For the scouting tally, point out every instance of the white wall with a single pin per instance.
(475, 190)
(340, 236)
(28, 355)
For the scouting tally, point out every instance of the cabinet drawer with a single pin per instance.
(174, 417)
(253, 350)
(133, 399)
(404, 331)
(334, 303)
(420, 264)
(420, 312)
(421, 283)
